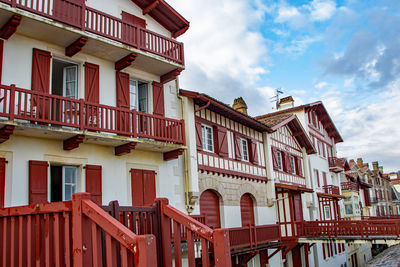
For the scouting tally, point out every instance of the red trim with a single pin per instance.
(294, 188)
(124, 149)
(294, 175)
(76, 46)
(6, 132)
(280, 142)
(2, 181)
(1, 59)
(174, 154)
(170, 76)
(73, 142)
(125, 61)
(232, 173)
(10, 27)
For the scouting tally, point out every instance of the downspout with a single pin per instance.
(186, 176)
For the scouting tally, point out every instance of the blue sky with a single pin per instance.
(345, 53)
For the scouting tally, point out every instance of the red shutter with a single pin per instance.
(199, 137)
(122, 85)
(158, 99)
(2, 181)
(92, 83)
(137, 187)
(94, 183)
(246, 210)
(317, 176)
(1, 59)
(324, 178)
(238, 152)
(299, 166)
(222, 139)
(149, 187)
(288, 162)
(132, 19)
(253, 151)
(209, 206)
(41, 62)
(38, 176)
(274, 153)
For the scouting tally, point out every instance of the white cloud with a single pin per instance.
(291, 15)
(322, 10)
(296, 47)
(321, 85)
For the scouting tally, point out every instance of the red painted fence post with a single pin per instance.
(82, 111)
(146, 251)
(12, 101)
(83, 16)
(77, 234)
(165, 233)
(222, 251)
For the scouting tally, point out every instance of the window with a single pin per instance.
(280, 161)
(207, 136)
(349, 209)
(293, 162)
(138, 95)
(327, 212)
(63, 182)
(316, 175)
(323, 150)
(244, 149)
(64, 80)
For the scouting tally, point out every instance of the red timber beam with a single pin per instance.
(170, 76)
(73, 142)
(6, 132)
(10, 27)
(180, 32)
(124, 149)
(173, 154)
(125, 61)
(150, 7)
(76, 46)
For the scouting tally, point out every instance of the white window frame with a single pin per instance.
(327, 211)
(133, 82)
(74, 185)
(204, 138)
(280, 160)
(244, 147)
(75, 81)
(293, 162)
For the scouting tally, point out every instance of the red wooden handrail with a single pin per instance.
(252, 236)
(91, 20)
(349, 186)
(34, 106)
(70, 233)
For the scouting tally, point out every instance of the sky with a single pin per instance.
(345, 53)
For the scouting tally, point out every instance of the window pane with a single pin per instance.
(143, 96)
(70, 80)
(68, 192)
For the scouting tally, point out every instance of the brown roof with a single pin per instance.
(320, 110)
(275, 120)
(224, 109)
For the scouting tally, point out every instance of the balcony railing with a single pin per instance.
(331, 189)
(43, 108)
(335, 165)
(252, 236)
(78, 15)
(349, 186)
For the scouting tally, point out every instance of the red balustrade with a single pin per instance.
(91, 20)
(353, 228)
(349, 186)
(331, 189)
(252, 236)
(38, 107)
(335, 164)
(71, 233)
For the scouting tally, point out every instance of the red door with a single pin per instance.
(298, 210)
(143, 187)
(247, 210)
(209, 206)
(296, 256)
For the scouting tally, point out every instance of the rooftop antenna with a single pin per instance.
(275, 98)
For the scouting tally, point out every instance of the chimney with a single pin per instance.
(240, 105)
(360, 162)
(285, 103)
(375, 165)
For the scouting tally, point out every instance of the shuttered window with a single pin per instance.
(122, 84)
(253, 151)
(94, 182)
(199, 138)
(2, 181)
(247, 210)
(238, 150)
(207, 138)
(244, 149)
(158, 99)
(279, 156)
(143, 183)
(38, 176)
(92, 83)
(221, 141)
(209, 206)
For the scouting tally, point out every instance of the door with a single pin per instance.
(209, 206)
(296, 256)
(247, 210)
(298, 210)
(143, 184)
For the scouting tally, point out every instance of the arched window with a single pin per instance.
(209, 206)
(247, 209)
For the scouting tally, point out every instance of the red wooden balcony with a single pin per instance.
(36, 107)
(250, 237)
(349, 186)
(331, 189)
(76, 14)
(335, 164)
(363, 229)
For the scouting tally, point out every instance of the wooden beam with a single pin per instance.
(174, 154)
(6, 132)
(76, 46)
(73, 142)
(178, 33)
(150, 7)
(298, 133)
(124, 149)
(170, 76)
(125, 61)
(10, 27)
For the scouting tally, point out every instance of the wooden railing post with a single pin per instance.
(165, 233)
(81, 114)
(134, 126)
(14, 3)
(77, 234)
(138, 41)
(83, 16)
(222, 252)
(12, 101)
(146, 251)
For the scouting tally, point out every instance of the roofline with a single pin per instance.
(221, 105)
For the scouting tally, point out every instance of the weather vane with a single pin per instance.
(275, 98)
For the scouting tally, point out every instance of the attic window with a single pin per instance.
(132, 19)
